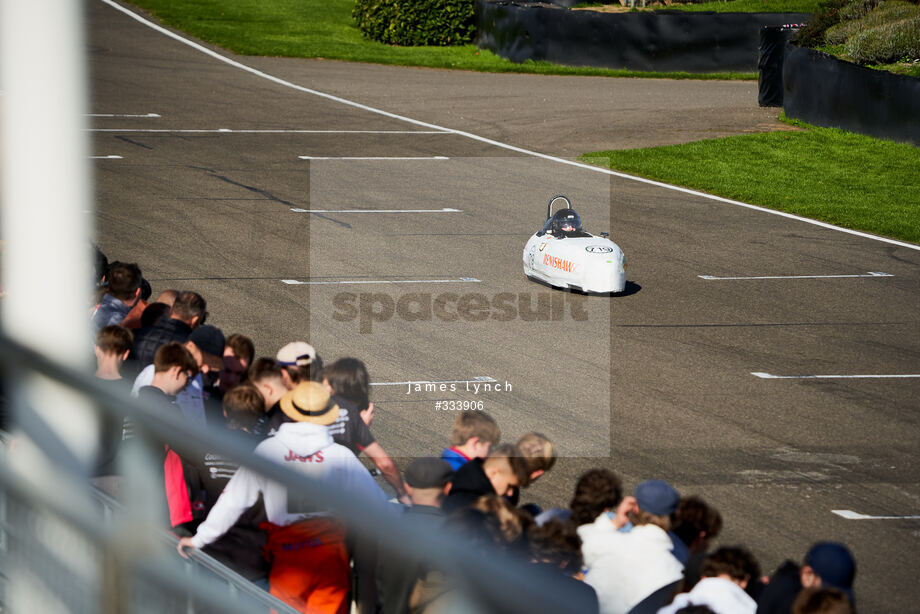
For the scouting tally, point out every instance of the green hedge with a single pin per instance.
(416, 22)
(866, 31)
(827, 15)
(886, 13)
(858, 9)
(886, 43)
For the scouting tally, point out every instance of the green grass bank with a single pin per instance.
(747, 6)
(827, 174)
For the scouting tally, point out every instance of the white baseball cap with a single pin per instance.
(296, 354)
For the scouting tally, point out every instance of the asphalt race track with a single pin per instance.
(256, 194)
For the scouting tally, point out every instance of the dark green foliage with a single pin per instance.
(886, 43)
(867, 31)
(812, 34)
(887, 13)
(416, 22)
(858, 9)
(871, 31)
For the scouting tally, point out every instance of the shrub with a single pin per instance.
(886, 43)
(416, 22)
(857, 9)
(812, 34)
(887, 12)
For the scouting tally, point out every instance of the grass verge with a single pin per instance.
(325, 29)
(908, 68)
(827, 174)
(749, 6)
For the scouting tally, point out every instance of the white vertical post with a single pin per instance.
(46, 185)
(45, 226)
(46, 176)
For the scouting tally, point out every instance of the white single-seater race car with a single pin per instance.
(565, 256)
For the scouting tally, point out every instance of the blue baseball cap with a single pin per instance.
(834, 564)
(657, 497)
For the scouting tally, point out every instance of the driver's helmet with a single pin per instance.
(565, 221)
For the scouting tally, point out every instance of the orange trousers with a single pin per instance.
(309, 566)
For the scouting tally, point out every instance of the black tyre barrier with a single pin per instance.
(824, 91)
(657, 41)
(773, 41)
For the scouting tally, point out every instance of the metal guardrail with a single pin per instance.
(29, 516)
(237, 587)
(497, 581)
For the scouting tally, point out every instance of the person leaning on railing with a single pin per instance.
(309, 568)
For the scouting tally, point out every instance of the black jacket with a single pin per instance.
(780, 593)
(148, 341)
(269, 422)
(396, 575)
(240, 548)
(469, 483)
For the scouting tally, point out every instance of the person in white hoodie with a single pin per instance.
(726, 573)
(310, 568)
(626, 567)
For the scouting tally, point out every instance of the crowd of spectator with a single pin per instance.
(649, 551)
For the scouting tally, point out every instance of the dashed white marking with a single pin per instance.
(444, 210)
(477, 379)
(462, 280)
(869, 274)
(762, 375)
(480, 139)
(105, 157)
(373, 157)
(151, 115)
(851, 515)
(267, 131)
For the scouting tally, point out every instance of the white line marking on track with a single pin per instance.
(492, 142)
(851, 515)
(444, 210)
(762, 375)
(462, 280)
(105, 157)
(373, 157)
(870, 274)
(278, 131)
(479, 378)
(151, 115)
